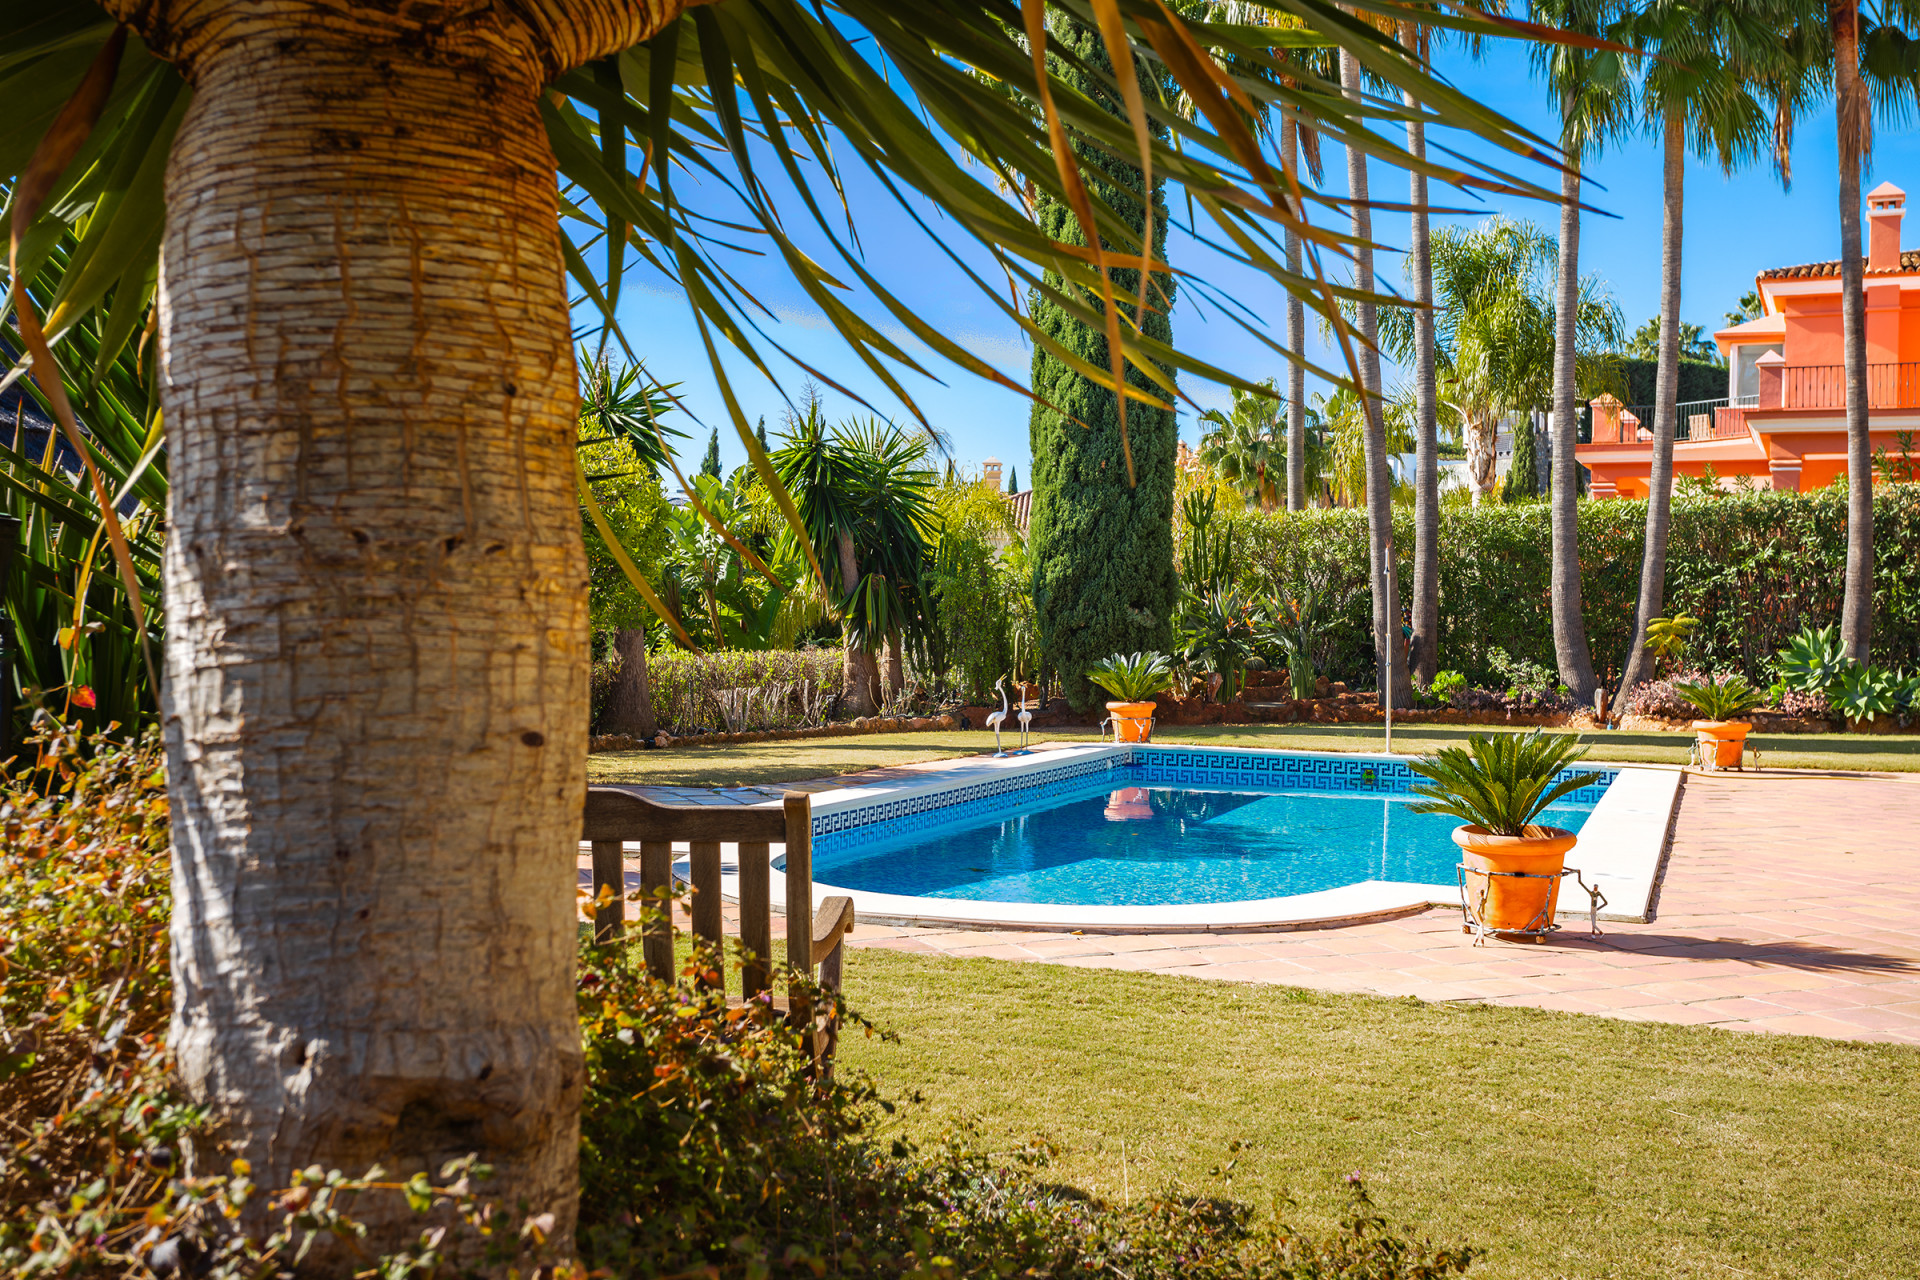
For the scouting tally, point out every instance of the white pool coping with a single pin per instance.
(1620, 851)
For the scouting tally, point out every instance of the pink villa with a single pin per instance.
(1783, 422)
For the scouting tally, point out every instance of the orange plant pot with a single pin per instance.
(1505, 903)
(1722, 742)
(1129, 804)
(1132, 721)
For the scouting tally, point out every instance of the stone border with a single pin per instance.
(1623, 857)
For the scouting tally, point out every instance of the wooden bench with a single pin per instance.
(615, 817)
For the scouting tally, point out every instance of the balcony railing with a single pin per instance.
(1699, 420)
(1824, 386)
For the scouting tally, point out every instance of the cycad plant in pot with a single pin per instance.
(1497, 785)
(1132, 679)
(1721, 732)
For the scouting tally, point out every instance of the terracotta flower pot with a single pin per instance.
(1129, 804)
(1504, 902)
(1721, 742)
(1132, 721)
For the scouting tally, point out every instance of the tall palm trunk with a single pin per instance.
(1569, 628)
(1853, 118)
(1666, 409)
(862, 669)
(376, 696)
(896, 666)
(629, 707)
(1424, 653)
(1385, 569)
(1296, 340)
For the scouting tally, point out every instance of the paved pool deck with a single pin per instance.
(1790, 902)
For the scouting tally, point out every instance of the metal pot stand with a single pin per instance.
(1542, 924)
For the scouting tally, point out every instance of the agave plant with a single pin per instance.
(1862, 692)
(1812, 662)
(1499, 781)
(1133, 677)
(1717, 699)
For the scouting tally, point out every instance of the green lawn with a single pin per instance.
(1566, 1145)
(761, 763)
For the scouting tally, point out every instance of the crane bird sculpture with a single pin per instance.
(997, 718)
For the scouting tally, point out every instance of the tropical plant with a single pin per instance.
(1445, 685)
(1343, 419)
(1719, 698)
(1499, 782)
(1666, 638)
(1132, 677)
(1812, 662)
(1216, 632)
(364, 351)
(1247, 448)
(971, 589)
(1295, 627)
(1863, 692)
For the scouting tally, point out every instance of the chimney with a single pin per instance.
(990, 472)
(1886, 204)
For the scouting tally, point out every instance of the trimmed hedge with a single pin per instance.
(1752, 567)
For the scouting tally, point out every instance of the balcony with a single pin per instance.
(1699, 420)
(1824, 386)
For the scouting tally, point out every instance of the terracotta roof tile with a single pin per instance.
(1909, 261)
(1022, 504)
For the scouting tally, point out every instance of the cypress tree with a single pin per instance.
(759, 432)
(1102, 553)
(1013, 479)
(710, 465)
(1523, 480)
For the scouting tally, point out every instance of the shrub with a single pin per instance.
(709, 1146)
(1132, 677)
(736, 689)
(1752, 567)
(1446, 685)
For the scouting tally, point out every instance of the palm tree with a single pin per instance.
(1423, 650)
(1245, 448)
(1698, 89)
(376, 692)
(1494, 338)
(1296, 337)
(1594, 95)
(1383, 565)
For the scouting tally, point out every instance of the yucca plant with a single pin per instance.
(1133, 677)
(1717, 699)
(1500, 781)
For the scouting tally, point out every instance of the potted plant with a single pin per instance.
(1132, 679)
(1498, 784)
(1721, 703)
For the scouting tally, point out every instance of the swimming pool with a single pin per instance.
(1138, 844)
(1148, 838)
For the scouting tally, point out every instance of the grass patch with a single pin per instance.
(1564, 1144)
(770, 763)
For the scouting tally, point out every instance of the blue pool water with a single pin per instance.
(1154, 844)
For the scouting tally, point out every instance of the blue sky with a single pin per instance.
(1736, 226)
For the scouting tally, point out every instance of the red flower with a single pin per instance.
(83, 698)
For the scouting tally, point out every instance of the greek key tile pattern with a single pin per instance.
(1141, 766)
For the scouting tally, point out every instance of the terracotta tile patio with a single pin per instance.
(1789, 904)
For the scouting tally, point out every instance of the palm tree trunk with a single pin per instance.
(376, 701)
(1424, 653)
(1666, 412)
(862, 670)
(1569, 628)
(1296, 340)
(1852, 113)
(896, 666)
(630, 707)
(1385, 569)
